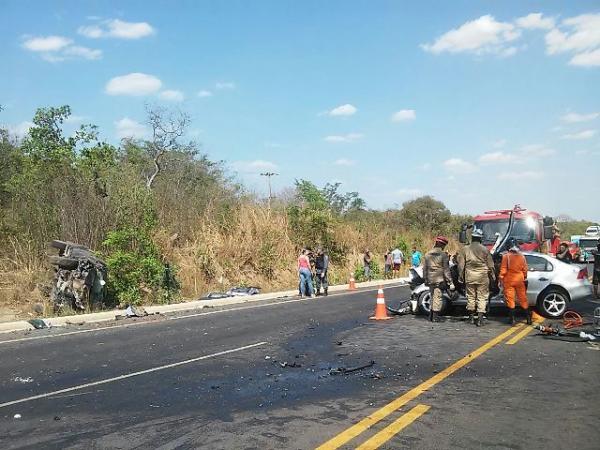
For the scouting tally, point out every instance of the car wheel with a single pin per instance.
(552, 303)
(424, 303)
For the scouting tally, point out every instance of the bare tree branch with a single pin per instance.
(168, 126)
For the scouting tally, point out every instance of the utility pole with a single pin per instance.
(269, 175)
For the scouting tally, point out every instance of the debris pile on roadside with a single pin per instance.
(80, 277)
(238, 291)
(573, 328)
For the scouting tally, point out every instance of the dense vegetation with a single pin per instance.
(151, 204)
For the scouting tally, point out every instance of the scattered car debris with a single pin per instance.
(287, 364)
(80, 277)
(346, 370)
(241, 291)
(17, 416)
(23, 380)
(135, 311)
(39, 324)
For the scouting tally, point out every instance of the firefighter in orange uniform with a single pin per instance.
(513, 276)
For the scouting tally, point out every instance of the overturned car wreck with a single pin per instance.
(80, 277)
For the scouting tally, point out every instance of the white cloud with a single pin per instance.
(404, 115)
(255, 166)
(527, 175)
(171, 95)
(133, 84)
(115, 28)
(344, 162)
(498, 158)
(537, 151)
(409, 192)
(58, 48)
(574, 117)
(129, 128)
(425, 166)
(580, 35)
(47, 43)
(20, 130)
(459, 166)
(343, 110)
(535, 21)
(586, 59)
(82, 52)
(224, 85)
(350, 137)
(481, 36)
(581, 135)
(204, 93)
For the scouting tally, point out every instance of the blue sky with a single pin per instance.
(480, 104)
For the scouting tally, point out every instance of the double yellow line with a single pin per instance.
(388, 432)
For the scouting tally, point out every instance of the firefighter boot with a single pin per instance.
(471, 316)
(511, 316)
(529, 313)
(479, 320)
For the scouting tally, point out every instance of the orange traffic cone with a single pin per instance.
(352, 285)
(380, 309)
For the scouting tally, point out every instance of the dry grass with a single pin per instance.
(255, 250)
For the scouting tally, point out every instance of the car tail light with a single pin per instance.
(583, 274)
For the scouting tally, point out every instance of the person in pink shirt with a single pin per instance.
(305, 275)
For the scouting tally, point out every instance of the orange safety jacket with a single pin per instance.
(513, 268)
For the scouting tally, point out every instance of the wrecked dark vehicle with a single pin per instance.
(80, 277)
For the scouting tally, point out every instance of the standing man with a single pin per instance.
(416, 257)
(513, 276)
(436, 271)
(367, 264)
(397, 257)
(596, 273)
(321, 266)
(475, 269)
(387, 263)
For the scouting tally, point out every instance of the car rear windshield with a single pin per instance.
(588, 243)
(490, 227)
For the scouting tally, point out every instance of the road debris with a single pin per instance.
(286, 364)
(23, 380)
(17, 416)
(40, 324)
(345, 370)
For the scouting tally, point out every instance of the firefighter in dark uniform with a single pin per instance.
(321, 267)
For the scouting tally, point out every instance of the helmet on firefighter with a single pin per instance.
(477, 233)
(513, 245)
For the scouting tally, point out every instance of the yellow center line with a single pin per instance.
(382, 413)
(391, 430)
(516, 338)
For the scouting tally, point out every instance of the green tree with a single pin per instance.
(425, 214)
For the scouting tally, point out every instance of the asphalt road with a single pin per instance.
(271, 376)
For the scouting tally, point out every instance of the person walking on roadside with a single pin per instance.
(397, 257)
(475, 269)
(321, 267)
(387, 263)
(305, 275)
(513, 277)
(416, 257)
(367, 264)
(436, 272)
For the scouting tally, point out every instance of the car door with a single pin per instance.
(539, 276)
